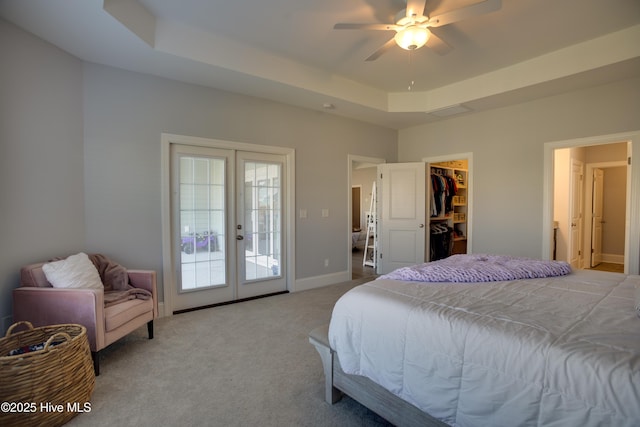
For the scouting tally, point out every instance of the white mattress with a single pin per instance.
(561, 351)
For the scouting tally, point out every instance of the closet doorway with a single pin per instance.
(450, 219)
(405, 210)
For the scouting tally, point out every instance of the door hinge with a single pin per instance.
(629, 161)
(579, 252)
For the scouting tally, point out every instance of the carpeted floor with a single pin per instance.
(245, 364)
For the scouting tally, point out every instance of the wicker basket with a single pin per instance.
(33, 385)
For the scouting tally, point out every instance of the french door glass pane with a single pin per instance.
(202, 222)
(262, 213)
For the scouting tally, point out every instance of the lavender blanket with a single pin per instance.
(480, 268)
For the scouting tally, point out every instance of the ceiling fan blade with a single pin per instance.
(385, 47)
(383, 27)
(438, 45)
(456, 15)
(415, 7)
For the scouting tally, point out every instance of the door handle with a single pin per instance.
(240, 237)
(421, 226)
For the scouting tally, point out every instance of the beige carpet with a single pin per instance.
(246, 364)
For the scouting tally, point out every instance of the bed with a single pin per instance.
(551, 350)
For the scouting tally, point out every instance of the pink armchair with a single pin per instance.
(41, 304)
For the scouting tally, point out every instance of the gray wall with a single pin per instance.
(508, 147)
(81, 159)
(41, 160)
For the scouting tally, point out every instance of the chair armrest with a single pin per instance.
(146, 279)
(52, 306)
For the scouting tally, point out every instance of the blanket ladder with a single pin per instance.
(371, 244)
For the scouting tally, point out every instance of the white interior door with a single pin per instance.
(597, 219)
(227, 222)
(402, 214)
(575, 215)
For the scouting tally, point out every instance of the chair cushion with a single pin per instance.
(76, 271)
(121, 313)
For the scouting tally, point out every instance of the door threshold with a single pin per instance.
(218, 304)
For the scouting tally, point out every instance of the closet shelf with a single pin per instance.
(449, 183)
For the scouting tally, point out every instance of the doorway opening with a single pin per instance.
(452, 224)
(362, 175)
(590, 206)
(555, 240)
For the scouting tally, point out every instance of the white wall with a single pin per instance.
(41, 160)
(508, 150)
(125, 114)
(81, 164)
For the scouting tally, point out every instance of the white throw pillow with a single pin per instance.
(77, 271)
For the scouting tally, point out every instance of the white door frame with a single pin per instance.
(168, 263)
(632, 233)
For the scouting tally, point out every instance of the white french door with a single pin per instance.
(226, 221)
(259, 224)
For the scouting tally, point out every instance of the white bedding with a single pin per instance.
(562, 351)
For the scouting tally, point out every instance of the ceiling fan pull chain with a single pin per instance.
(411, 72)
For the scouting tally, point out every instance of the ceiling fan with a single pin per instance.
(412, 26)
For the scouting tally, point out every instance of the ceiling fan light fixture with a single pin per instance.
(412, 37)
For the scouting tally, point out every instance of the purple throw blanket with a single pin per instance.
(480, 268)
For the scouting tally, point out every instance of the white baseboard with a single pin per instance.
(161, 309)
(613, 258)
(299, 285)
(319, 281)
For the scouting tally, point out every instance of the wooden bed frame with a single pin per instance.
(362, 389)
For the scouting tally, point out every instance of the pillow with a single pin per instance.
(77, 271)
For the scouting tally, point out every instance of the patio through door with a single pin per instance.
(227, 221)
